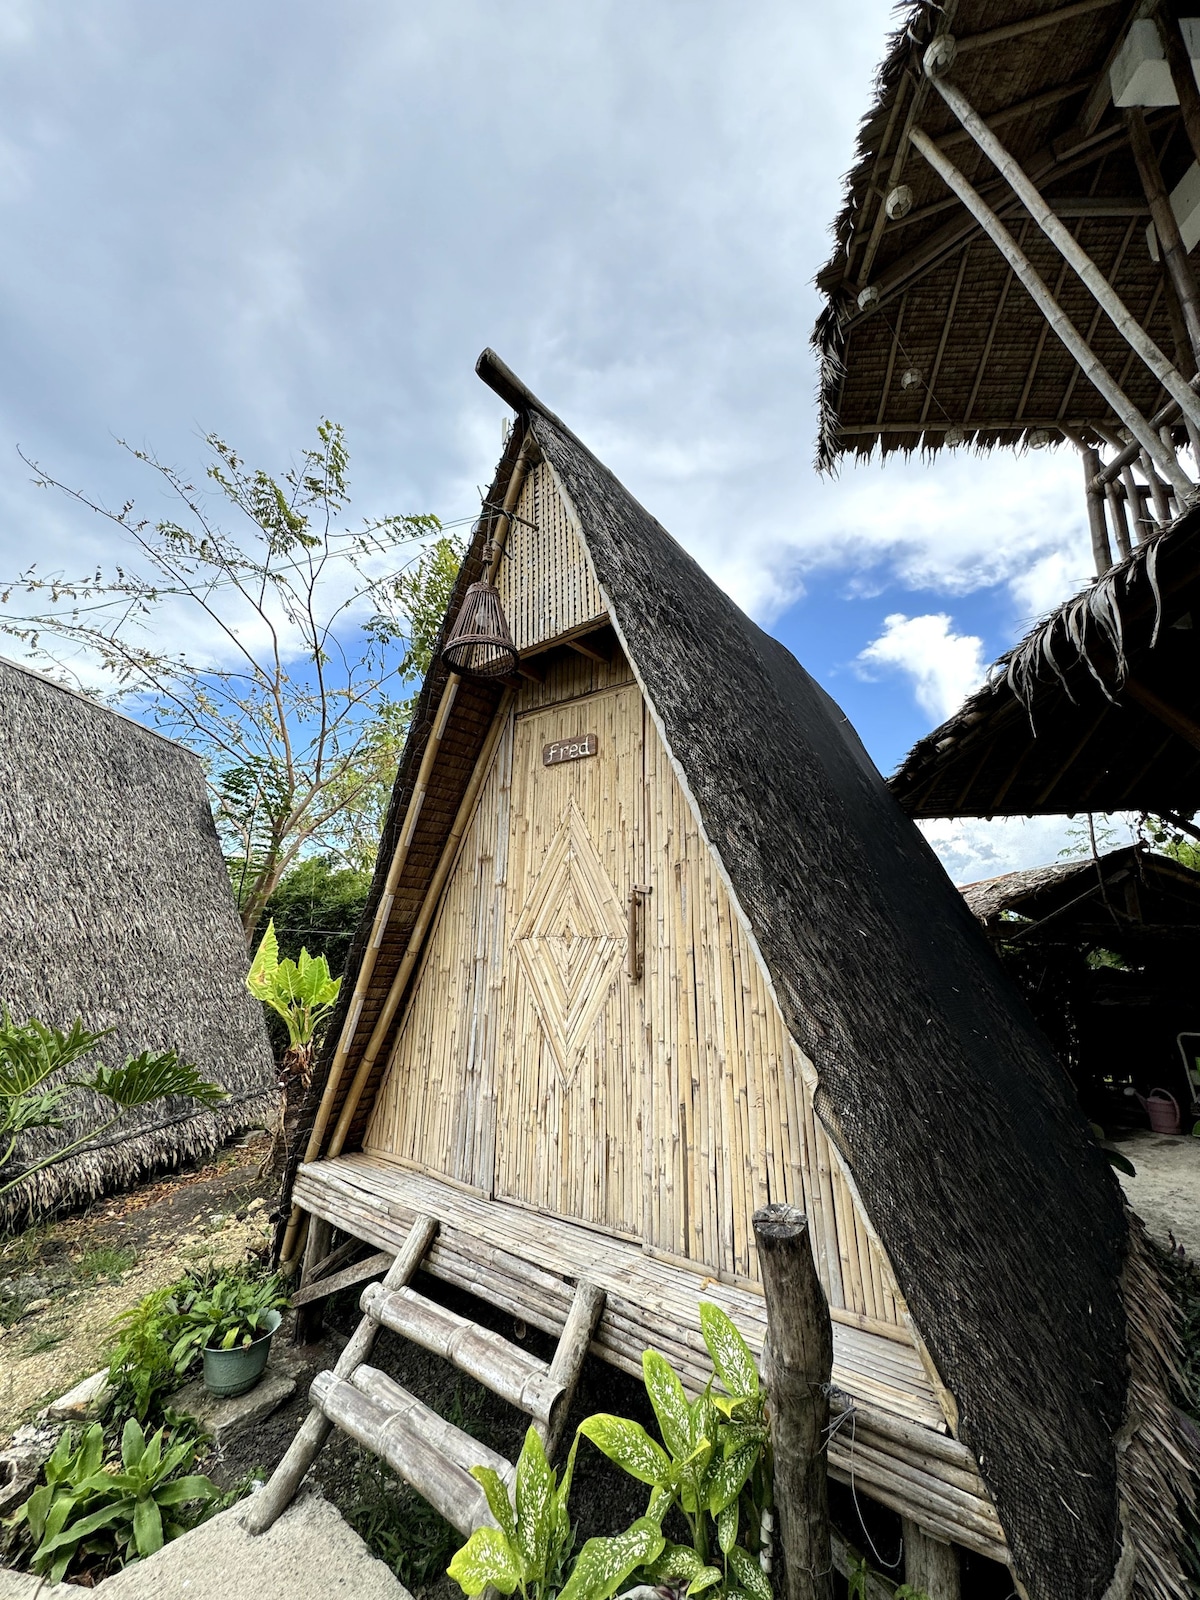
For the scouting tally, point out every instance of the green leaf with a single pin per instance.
(147, 1526)
(726, 1477)
(749, 1574)
(108, 1516)
(149, 1077)
(496, 1494)
(727, 1526)
(194, 1487)
(604, 1564)
(133, 1443)
(630, 1446)
(730, 1354)
(486, 1558)
(536, 1510)
(669, 1402)
(705, 1579)
(678, 1563)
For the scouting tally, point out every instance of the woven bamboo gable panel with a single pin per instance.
(528, 1065)
(545, 580)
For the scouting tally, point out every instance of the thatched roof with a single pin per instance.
(115, 905)
(1097, 709)
(1001, 1217)
(949, 309)
(1166, 894)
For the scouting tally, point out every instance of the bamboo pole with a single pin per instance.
(416, 940)
(1102, 291)
(798, 1366)
(274, 1498)
(1062, 325)
(582, 1319)
(1170, 243)
(460, 1447)
(1158, 489)
(1116, 501)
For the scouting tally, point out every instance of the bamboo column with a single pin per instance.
(798, 1365)
(1062, 325)
(1063, 240)
(1170, 242)
(1097, 521)
(1116, 499)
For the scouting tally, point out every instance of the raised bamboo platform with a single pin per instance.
(891, 1440)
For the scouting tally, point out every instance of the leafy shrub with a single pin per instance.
(301, 991)
(91, 1514)
(32, 1052)
(222, 1311)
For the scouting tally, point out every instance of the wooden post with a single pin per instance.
(930, 1565)
(1039, 293)
(1158, 490)
(307, 1328)
(1170, 243)
(1064, 242)
(274, 1497)
(1116, 500)
(799, 1360)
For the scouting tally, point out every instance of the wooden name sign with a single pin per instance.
(569, 750)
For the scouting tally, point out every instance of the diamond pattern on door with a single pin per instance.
(571, 939)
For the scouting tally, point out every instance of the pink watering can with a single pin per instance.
(1163, 1110)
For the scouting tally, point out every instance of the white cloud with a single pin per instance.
(972, 848)
(945, 666)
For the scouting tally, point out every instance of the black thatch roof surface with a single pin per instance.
(1000, 1215)
(1097, 709)
(115, 905)
(948, 307)
(1045, 891)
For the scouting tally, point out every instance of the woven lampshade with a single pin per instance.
(480, 645)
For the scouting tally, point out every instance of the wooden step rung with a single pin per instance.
(501, 1366)
(449, 1487)
(459, 1447)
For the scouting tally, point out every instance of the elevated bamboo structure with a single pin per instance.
(651, 947)
(115, 905)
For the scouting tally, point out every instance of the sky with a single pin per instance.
(241, 218)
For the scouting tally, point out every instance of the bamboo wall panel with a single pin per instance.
(436, 1106)
(570, 1069)
(545, 579)
(730, 1122)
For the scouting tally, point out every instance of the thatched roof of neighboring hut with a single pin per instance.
(1097, 889)
(1001, 1217)
(948, 309)
(115, 905)
(1097, 709)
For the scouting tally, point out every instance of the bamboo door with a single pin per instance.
(569, 1069)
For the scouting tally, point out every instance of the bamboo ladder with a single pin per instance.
(427, 1452)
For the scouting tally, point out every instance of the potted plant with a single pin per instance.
(231, 1319)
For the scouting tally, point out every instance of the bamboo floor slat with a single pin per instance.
(525, 1262)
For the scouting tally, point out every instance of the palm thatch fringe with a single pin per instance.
(1159, 1453)
(123, 1160)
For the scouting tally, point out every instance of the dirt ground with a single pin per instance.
(1166, 1191)
(61, 1284)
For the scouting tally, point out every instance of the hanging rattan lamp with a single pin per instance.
(480, 644)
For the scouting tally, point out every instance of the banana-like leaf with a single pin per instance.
(486, 1559)
(604, 1564)
(263, 967)
(152, 1076)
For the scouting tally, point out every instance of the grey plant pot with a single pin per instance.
(230, 1372)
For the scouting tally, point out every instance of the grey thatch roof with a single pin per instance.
(1001, 1217)
(115, 905)
(1096, 709)
(949, 310)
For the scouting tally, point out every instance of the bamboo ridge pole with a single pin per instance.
(1062, 325)
(1105, 295)
(420, 928)
(799, 1362)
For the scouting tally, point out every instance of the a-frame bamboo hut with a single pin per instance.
(651, 945)
(115, 905)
